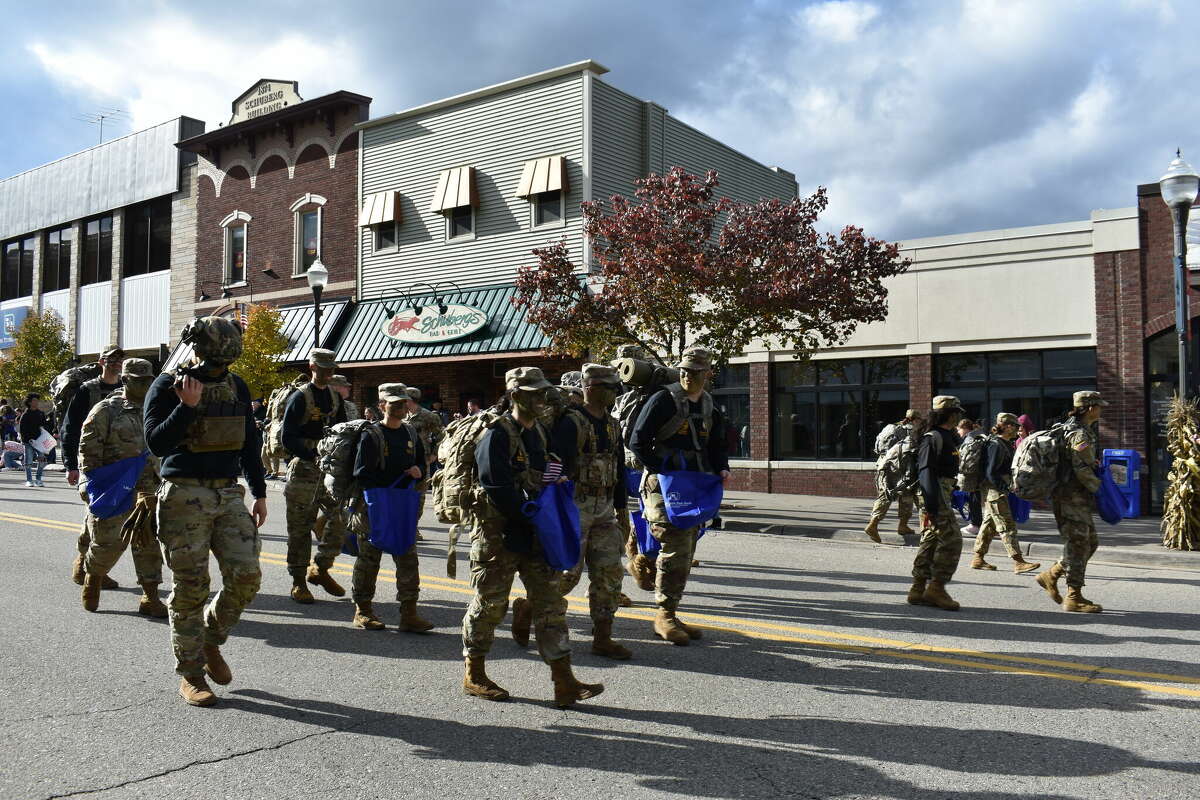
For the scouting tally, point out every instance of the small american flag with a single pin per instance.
(243, 315)
(554, 471)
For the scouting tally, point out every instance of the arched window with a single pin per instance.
(237, 247)
(306, 216)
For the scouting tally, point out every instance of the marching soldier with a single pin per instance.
(113, 431)
(909, 427)
(309, 412)
(202, 428)
(941, 540)
(341, 385)
(429, 427)
(997, 515)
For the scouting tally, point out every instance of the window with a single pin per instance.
(16, 277)
(147, 238)
(731, 394)
(56, 266)
(309, 227)
(1034, 382)
(834, 409)
(235, 254)
(386, 236)
(460, 223)
(548, 208)
(96, 266)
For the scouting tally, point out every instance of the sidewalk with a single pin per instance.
(1133, 542)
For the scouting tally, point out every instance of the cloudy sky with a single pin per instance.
(921, 118)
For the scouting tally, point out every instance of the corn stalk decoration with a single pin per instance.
(1181, 507)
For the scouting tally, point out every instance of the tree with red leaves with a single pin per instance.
(677, 268)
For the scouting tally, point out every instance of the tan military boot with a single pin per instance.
(978, 563)
(77, 569)
(623, 600)
(1021, 566)
(319, 576)
(916, 593)
(872, 531)
(410, 620)
(667, 627)
(905, 530)
(568, 690)
(603, 644)
(1048, 580)
(643, 570)
(149, 604)
(1077, 602)
(476, 683)
(301, 594)
(91, 591)
(364, 617)
(194, 689)
(522, 620)
(935, 595)
(215, 666)
(693, 633)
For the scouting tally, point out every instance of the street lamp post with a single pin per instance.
(1179, 187)
(318, 279)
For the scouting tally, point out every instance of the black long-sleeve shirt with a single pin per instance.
(166, 425)
(402, 455)
(31, 424)
(997, 466)
(564, 443)
(77, 411)
(498, 475)
(937, 458)
(657, 412)
(298, 425)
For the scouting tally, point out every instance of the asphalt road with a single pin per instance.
(814, 679)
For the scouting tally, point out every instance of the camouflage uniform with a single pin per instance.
(883, 501)
(111, 432)
(1075, 500)
(429, 427)
(366, 564)
(941, 543)
(97, 390)
(997, 519)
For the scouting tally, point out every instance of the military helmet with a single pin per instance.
(214, 339)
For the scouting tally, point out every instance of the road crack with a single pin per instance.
(44, 717)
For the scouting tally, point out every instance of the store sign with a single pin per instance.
(10, 322)
(430, 327)
(265, 97)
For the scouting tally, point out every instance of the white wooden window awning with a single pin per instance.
(542, 175)
(455, 189)
(380, 208)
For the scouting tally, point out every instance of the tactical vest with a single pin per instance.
(315, 420)
(596, 472)
(125, 438)
(527, 479)
(696, 425)
(221, 419)
(428, 425)
(98, 390)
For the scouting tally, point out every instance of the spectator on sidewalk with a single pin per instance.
(969, 429)
(473, 407)
(8, 419)
(13, 453)
(32, 422)
(1027, 427)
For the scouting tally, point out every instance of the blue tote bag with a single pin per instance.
(1020, 508)
(392, 514)
(960, 500)
(350, 543)
(555, 517)
(647, 545)
(1110, 505)
(110, 488)
(691, 498)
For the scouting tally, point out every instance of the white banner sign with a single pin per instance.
(430, 327)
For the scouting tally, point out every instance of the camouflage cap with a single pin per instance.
(1087, 399)
(572, 379)
(1005, 418)
(947, 402)
(325, 359)
(137, 368)
(339, 380)
(695, 358)
(600, 374)
(529, 379)
(393, 392)
(112, 351)
(414, 393)
(214, 339)
(912, 413)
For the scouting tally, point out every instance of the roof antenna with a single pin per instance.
(98, 117)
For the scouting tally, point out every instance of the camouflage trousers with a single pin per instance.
(306, 495)
(904, 508)
(601, 546)
(194, 520)
(366, 567)
(678, 547)
(270, 462)
(997, 519)
(1077, 527)
(493, 568)
(106, 544)
(941, 543)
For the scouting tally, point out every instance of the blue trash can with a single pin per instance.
(1125, 466)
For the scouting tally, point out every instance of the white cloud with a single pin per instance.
(838, 20)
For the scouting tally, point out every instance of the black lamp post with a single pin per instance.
(318, 279)
(1179, 187)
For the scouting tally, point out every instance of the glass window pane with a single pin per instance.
(839, 422)
(25, 287)
(972, 400)
(104, 267)
(237, 254)
(91, 252)
(66, 236)
(795, 423)
(794, 373)
(1016, 400)
(732, 376)
(50, 263)
(309, 239)
(160, 236)
(385, 236)
(959, 368)
(548, 208)
(460, 222)
(839, 373)
(1065, 364)
(1057, 402)
(887, 370)
(1015, 366)
(883, 408)
(736, 410)
(11, 273)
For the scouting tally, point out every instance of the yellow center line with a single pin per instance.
(773, 631)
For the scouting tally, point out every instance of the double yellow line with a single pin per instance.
(1056, 669)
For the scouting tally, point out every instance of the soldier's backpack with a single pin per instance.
(65, 385)
(898, 468)
(888, 437)
(455, 484)
(970, 462)
(273, 426)
(1038, 465)
(337, 450)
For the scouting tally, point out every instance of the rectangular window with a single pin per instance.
(96, 266)
(1038, 383)
(385, 236)
(56, 266)
(147, 238)
(833, 409)
(548, 208)
(309, 225)
(460, 222)
(731, 394)
(16, 277)
(235, 254)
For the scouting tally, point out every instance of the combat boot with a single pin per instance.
(300, 592)
(319, 576)
(1048, 580)
(568, 690)
(693, 633)
(1021, 566)
(91, 591)
(623, 600)
(410, 620)
(194, 689)
(364, 617)
(916, 593)
(215, 666)
(149, 604)
(1077, 602)
(935, 595)
(643, 570)
(77, 574)
(667, 627)
(905, 530)
(603, 645)
(872, 531)
(978, 563)
(476, 683)
(522, 611)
